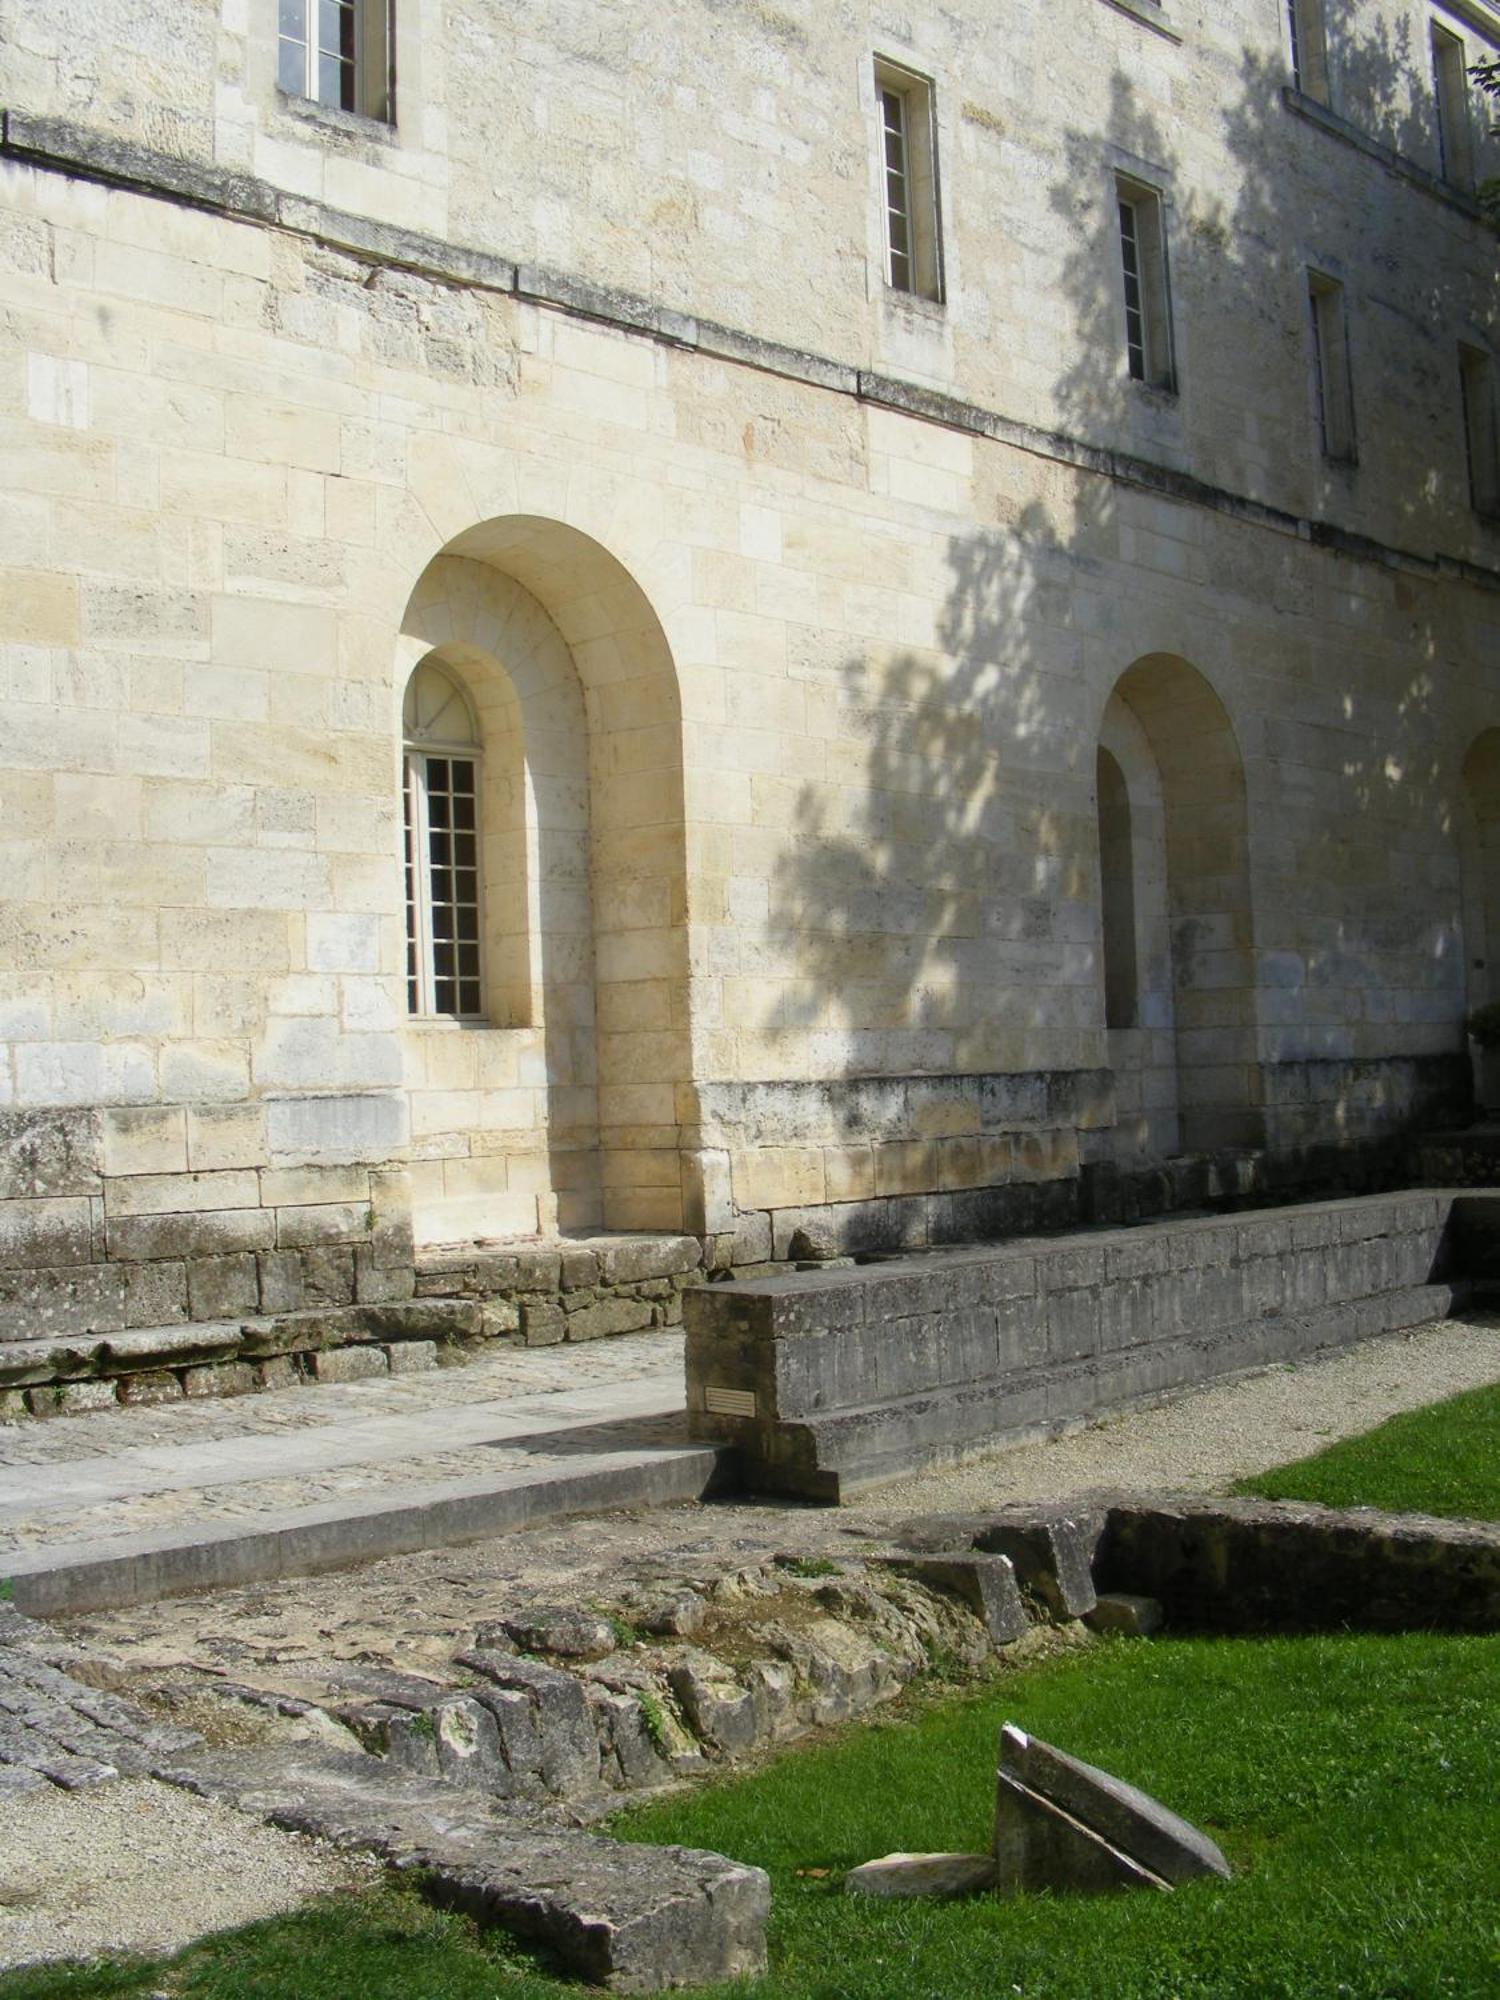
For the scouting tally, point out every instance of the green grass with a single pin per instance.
(1349, 1779)
(1444, 1459)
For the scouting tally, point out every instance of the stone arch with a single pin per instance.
(575, 1092)
(1188, 1075)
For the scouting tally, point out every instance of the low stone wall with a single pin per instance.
(1285, 1566)
(580, 1289)
(466, 1300)
(830, 1379)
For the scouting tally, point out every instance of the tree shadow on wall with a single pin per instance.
(937, 894)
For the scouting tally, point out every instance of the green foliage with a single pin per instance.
(1444, 1459)
(626, 1634)
(7, 1591)
(654, 1716)
(1349, 1780)
(809, 1566)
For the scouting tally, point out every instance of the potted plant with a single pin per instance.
(1483, 1025)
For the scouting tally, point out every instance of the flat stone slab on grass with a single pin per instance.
(631, 1918)
(898, 1875)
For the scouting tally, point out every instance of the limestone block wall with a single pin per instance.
(148, 1215)
(726, 166)
(792, 662)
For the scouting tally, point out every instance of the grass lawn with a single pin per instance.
(1444, 1459)
(1349, 1780)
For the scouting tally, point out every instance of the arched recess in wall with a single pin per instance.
(1479, 855)
(561, 1107)
(1176, 919)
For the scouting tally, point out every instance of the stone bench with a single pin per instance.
(827, 1380)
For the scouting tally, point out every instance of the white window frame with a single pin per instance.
(1308, 35)
(1333, 377)
(1146, 289)
(1476, 381)
(906, 125)
(1450, 96)
(364, 86)
(419, 749)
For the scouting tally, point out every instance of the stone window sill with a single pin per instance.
(329, 118)
(1149, 16)
(1318, 114)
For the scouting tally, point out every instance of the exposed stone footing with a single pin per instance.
(581, 1288)
(44, 1378)
(1286, 1566)
(632, 1919)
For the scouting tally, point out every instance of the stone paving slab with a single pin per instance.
(57, 1730)
(128, 1506)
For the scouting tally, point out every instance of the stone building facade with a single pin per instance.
(724, 620)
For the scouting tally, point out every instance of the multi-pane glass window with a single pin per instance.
(335, 52)
(897, 189)
(1135, 314)
(440, 812)
(1143, 266)
(908, 182)
(1309, 48)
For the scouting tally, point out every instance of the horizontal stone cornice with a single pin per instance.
(59, 146)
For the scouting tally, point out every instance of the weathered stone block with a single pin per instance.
(349, 1364)
(986, 1583)
(607, 1317)
(223, 1287)
(327, 1276)
(67, 1399)
(155, 1294)
(410, 1357)
(151, 1385)
(912, 1875)
(543, 1324)
(221, 1378)
(1128, 1819)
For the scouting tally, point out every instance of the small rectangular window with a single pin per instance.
(1309, 48)
(908, 182)
(1450, 89)
(336, 52)
(1143, 261)
(1476, 377)
(1332, 382)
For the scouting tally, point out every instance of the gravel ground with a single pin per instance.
(138, 1867)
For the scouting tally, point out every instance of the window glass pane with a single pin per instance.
(437, 773)
(335, 82)
(468, 922)
(442, 958)
(291, 68)
(463, 810)
(438, 847)
(463, 775)
(291, 20)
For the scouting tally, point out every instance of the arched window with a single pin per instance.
(440, 799)
(1117, 881)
